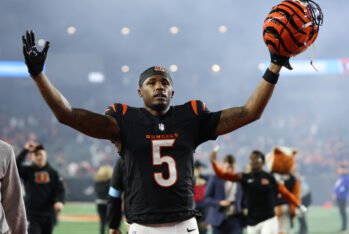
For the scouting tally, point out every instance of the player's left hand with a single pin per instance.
(58, 206)
(34, 59)
(280, 60)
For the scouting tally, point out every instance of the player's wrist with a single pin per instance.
(270, 76)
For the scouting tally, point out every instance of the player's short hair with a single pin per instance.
(229, 158)
(259, 154)
(155, 70)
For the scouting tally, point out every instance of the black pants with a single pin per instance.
(342, 205)
(41, 224)
(102, 212)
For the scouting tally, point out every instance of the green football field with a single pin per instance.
(80, 218)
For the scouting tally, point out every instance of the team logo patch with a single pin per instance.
(42, 177)
(159, 68)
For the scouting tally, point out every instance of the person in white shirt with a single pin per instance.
(12, 211)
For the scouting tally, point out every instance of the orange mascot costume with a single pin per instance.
(281, 163)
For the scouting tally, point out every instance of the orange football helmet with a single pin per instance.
(292, 26)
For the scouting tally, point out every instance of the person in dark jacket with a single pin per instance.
(200, 184)
(44, 189)
(341, 194)
(116, 191)
(225, 200)
(102, 181)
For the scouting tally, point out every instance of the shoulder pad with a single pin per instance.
(198, 106)
(116, 108)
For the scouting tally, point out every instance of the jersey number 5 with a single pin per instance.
(158, 160)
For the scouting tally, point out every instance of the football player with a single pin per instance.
(157, 141)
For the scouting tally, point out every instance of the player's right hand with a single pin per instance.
(280, 60)
(34, 59)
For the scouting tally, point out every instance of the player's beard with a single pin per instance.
(159, 107)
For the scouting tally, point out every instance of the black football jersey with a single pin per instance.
(158, 155)
(261, 190)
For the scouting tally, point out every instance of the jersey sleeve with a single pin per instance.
(208, 121)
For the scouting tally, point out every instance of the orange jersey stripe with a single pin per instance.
(113, 106)
(194, 106)
(124, 109)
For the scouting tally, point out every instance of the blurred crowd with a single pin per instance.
(320, 144)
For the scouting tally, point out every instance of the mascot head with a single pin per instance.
(281, 160)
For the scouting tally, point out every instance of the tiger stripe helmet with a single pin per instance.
(292, 26)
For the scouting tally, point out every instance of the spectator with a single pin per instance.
(12, 212)
(341, 193)
(44, 189)
(224, 200)
(102, 181)
(261, 190)
(200, 183)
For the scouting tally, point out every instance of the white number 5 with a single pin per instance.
(158, 160)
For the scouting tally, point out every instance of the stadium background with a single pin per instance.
(99, 48)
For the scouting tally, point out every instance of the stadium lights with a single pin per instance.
(216, 68)
(173, 68)
(174, 30)
(125, 68)
(222, 29)
(96, 77)
(125, 31)
(71, 30)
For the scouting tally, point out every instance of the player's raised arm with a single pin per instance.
(219, 171)
(236, 117)
(87, 122)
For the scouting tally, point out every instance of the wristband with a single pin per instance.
(270, 76)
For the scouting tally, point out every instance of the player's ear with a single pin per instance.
(172, 94)
(140, 93)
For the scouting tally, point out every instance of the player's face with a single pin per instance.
(227, 167)
(256, 162)
(157, 92)
(40, 158)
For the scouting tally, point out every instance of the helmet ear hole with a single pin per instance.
(292, 26)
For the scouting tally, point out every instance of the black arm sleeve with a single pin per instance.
(114, 212)
(114, 196)
(22, 170)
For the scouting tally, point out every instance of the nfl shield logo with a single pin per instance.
(161, 126)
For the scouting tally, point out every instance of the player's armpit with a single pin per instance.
(288, 195)
(226, 176)
(94, 124)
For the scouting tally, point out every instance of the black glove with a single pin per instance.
(33, 58)
(280, 60)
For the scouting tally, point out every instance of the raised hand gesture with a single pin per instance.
(34, 59)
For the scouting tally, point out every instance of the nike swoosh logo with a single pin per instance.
(190, 230)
